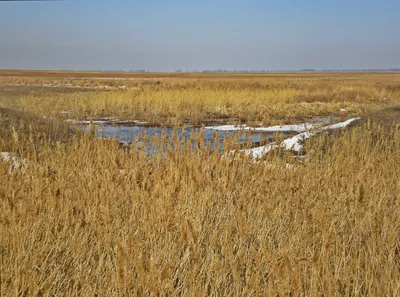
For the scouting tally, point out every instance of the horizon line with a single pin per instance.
(305, 70)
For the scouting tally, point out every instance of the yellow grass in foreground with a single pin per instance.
(91, 219)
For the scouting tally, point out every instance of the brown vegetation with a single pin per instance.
(89, 218)
(179, 98)
(93, 219)
(30, 127)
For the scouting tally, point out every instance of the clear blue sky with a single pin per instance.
(200, 34)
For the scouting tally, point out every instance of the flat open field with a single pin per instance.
(195, 98)
(85, 216)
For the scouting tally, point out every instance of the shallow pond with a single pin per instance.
(139, 135)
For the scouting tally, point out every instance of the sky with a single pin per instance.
(198, 35)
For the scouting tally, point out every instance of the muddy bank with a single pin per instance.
(385, 116)
(18, 90)
(209, 122)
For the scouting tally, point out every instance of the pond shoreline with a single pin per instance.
(315, 120)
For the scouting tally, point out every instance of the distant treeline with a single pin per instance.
(252, 71)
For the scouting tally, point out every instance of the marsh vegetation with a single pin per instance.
(89, 217)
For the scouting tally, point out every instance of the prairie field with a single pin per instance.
(81, 215)
(196, 98)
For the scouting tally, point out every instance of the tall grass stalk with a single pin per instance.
(92, 219)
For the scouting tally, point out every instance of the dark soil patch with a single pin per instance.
(386, 118)
(29, 90)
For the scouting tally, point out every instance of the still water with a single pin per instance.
(138, 135)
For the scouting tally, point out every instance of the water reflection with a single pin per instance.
(149, 136)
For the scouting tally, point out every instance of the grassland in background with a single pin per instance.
(89, 218)
(180, 98)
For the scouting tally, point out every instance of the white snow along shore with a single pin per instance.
(15, 162)
(285, 128)
(295, 143)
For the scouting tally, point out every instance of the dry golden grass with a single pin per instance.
(196, 98)
(92, 219)
(89, 218)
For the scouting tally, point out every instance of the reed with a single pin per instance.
(196, 98)
(87, 217)
(90, 218)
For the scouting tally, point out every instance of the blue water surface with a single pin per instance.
(137, 135)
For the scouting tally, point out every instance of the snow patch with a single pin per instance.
(285, 128)
(14, 160)
(107, 121)
(260, 151)
(227, 127)
(341, 124)
(295, 143)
